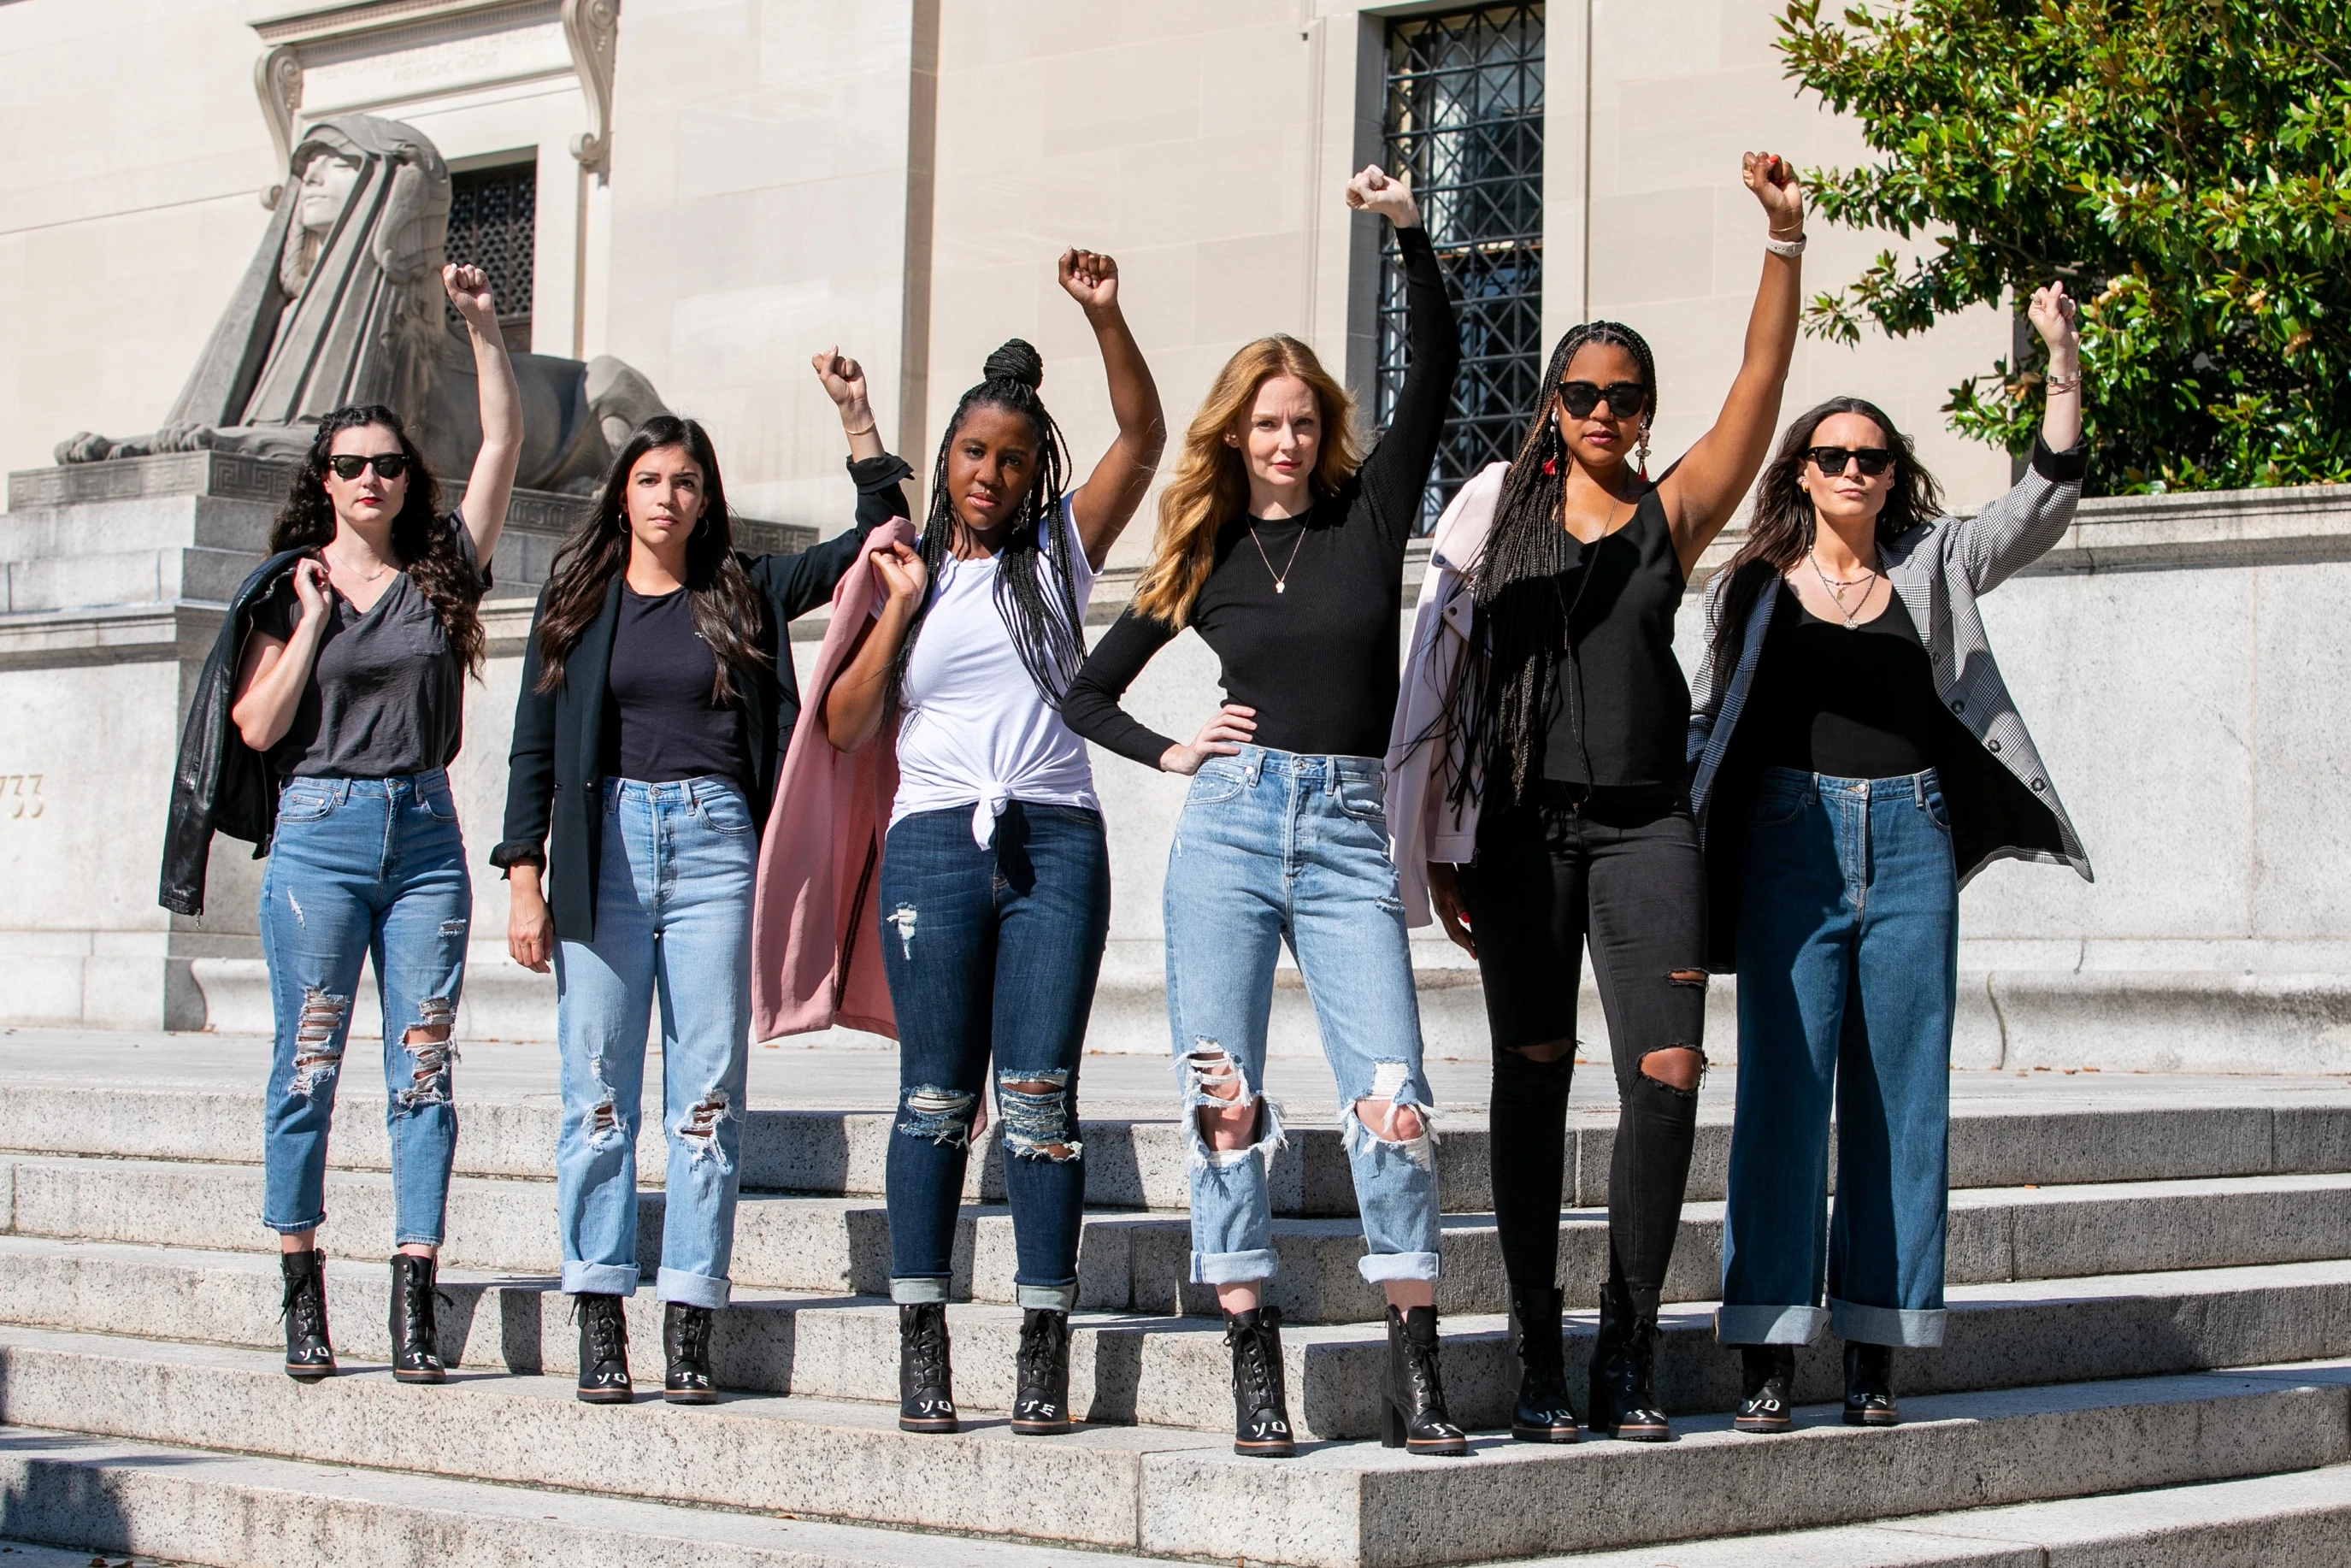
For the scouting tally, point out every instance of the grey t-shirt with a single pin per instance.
(385, 697)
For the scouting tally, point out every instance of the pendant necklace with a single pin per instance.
(1281, 578)
(1836, 587)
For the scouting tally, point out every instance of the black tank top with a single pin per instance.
(1620, 708)
(1849, 701)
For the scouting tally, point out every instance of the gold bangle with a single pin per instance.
(866, 431)
(2061, 384)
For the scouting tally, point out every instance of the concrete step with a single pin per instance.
(237, 1511)
(1142, 1488)
(1140, 1263)
(1142, 1164)
(1173, 1372)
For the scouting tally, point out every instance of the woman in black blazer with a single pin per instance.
(657, 702)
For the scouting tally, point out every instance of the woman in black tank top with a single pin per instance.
(1568, 734)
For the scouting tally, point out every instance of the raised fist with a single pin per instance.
(1774, 180)
(1375, 190)
(469, 292)
(2052, 314)
(844, 379)
(1090, 278)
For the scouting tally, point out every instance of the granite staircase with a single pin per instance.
(2149, 1363)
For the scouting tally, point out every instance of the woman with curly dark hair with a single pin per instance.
(352, 684)
(657, 698)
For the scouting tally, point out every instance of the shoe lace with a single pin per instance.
(1260, 1375)
(1041, 1337)
(694, 1333)
(1421, 1365)
(928, 1345)
(305, 1305)
(608, 1329)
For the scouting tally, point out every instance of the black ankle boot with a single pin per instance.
(1412, 1396)
(686, 1346)
(415, 1339)
(1260, 1408)
(1621, 1360)
(926, 1374)
(1040, 1408)
(1766, 1388)
(1541, 1413)
(603, 1349)
(1869, 1386)
(309, 1356)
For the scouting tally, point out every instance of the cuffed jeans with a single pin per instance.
(991, 950)
(1274, 847)
(673, 924)
(1848, 956)
(364, 868)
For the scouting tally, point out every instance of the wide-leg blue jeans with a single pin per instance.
(673, 924)
(1848, 956)
(364, 868)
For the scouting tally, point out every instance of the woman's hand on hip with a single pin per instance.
(1227, 730)
(1444, 894)
(530, 929)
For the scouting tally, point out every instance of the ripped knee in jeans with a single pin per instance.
(428, 1046)
(1385, 1117)
(317, 1044)
(941, 1115)
(1680, 1068)
(1230, 1122)
(699, 1131)
(1035, 1108)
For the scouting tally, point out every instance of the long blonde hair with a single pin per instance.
(1211, 482)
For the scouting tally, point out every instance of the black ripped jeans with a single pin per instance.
(1622, 868)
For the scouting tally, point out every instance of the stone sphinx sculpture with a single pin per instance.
(343, 304)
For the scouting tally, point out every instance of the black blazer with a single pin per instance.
(554, 771)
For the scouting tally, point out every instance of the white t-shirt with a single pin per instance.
(974, 731)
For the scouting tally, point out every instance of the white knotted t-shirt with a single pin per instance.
(974, 731)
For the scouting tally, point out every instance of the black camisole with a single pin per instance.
(1620, 708)
(1850, 703)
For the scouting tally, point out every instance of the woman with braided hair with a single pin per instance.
(1567, 736)
(994, 885)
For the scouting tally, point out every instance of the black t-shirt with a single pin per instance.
(1318, 659)
(660, 721)
(1847, 702)
(386, 697)
(1620, 708)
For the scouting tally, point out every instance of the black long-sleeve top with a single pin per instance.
(557, 759)
(1317, 660)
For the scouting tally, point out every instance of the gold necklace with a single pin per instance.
(1281, 578)
(1836, 587)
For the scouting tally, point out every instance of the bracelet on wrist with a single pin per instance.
(2058, 384)
(860, 430)
(1789, 248)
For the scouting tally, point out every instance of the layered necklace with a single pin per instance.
(1839, 586)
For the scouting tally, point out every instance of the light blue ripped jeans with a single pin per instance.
(1273, 847)
(673, 923)
(363, 868)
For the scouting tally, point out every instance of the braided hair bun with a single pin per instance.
(1016, 361)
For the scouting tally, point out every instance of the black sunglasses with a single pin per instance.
(1831, 460)
(387, 464)
(1626, 400)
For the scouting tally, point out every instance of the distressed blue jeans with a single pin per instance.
(673, 926)
(991, 951)
(359, 869)
(1273, 847)
(1848, 958)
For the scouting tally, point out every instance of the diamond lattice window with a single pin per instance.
(494, 224)
(1465, 121)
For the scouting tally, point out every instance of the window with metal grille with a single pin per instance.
(494, 224)
(1465, 124)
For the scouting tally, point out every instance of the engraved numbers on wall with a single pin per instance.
(21, 798)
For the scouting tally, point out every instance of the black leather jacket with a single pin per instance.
(220, 784)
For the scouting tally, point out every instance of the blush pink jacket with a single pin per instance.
(816, 957)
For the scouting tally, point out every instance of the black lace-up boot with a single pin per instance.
(1623, 1359)
(603, 1349)
(1869, 1386)
(1412, 1395)
(309, 1356)
(1261, 1407)
(1766, 1384)
(1041, 1407)
(926, 1374)
(415, 1339)
(686, 1346)
(1541, 1413)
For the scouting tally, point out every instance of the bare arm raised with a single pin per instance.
(1106, 502)
(1703, 488)
(491, 485)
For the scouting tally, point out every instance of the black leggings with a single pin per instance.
(1624, 868)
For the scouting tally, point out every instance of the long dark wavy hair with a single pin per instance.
(727, 608)
(1781, 528)
(1036, 584)
(422, 544)
(1519, 616)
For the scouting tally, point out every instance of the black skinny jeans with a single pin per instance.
(1622, 867)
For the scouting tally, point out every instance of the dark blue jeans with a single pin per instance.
(1848, 959)
(991, 951)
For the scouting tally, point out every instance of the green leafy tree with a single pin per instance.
(2183, 165)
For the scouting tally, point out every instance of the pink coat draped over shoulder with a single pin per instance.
(816, 956)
